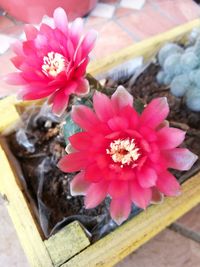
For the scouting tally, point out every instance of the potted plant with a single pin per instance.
(114, 152)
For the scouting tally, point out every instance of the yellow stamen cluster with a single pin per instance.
(123, 151)
(54, 63)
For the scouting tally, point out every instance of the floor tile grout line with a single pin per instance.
(161, 11)
(131, 34)
(184, 231)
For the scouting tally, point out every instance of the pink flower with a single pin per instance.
(52, 61)
(123, 154)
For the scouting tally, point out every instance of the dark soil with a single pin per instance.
(39, 147)
(197, 1)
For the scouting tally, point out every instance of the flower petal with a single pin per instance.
(169, 138)
(95, 194)
(73, 162)
(157, 196)
(140, 196)
(118, 123)
(80, 141)
(167, 184)
(83, 87)
(60, 102)
(155, 113)
(147, 177)
(118, 189)
(92, 173)
(180, 158)
(61, 21)
(120, 209)
(78, 185)
(88, 42)
(102, 106)
(14, 78)
(121, 98)
(30, 31)
(84, 117)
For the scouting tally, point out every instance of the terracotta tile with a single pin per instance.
(5, 23)
(134, 4)
(191, 220)
(111, 38)
(167, 249)
(189, 9)
(122, 11)
(11, 254)
(93, 21)
(181, 11)
(14, 31)
(103, 10)
(109, 1)
(147, 22)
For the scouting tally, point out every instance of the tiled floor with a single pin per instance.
(119, 23)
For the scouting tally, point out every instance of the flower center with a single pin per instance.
(54, 63)
(123, 151)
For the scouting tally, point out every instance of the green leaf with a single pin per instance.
(69, 128)
(138, 105)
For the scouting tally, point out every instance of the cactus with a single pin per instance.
(189, 61)
(181, 70)
(172, 65)
(180, 85)
(193, 99)
(168, 49)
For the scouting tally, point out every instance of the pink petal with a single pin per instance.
(155, 112)
(76, 31)
(73, 162)
(157, 196)
(120, 209)
(118, 189)
(84, 117)
(88, 42)
(61, 21)
(83, 87)
(118, 124)
(167, 184)
(169, 138)
(180, 158)
(102, 106)
(95, 194)
(17, 61)
(81, 141)
(147, 177)
(36, 91)
(60, 102)
(92, 173)
(30, 31)
(121, 98)
(140, 196)
(18, 48)
(81, 69)
(79, 185)
(14, 79)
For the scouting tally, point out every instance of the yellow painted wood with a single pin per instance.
(130, 236)
(21, 216)
(8, 114)
(147, 48)
(66, 243)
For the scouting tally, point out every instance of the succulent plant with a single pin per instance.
(168, 49)
(193, 99)
(180, 84)
(181, 70)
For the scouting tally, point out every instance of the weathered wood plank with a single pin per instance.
(66, 243)
(8, 113)
(21, 216)
(147, 48)
(131, 235)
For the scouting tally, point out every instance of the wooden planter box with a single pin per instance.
(71, 247)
